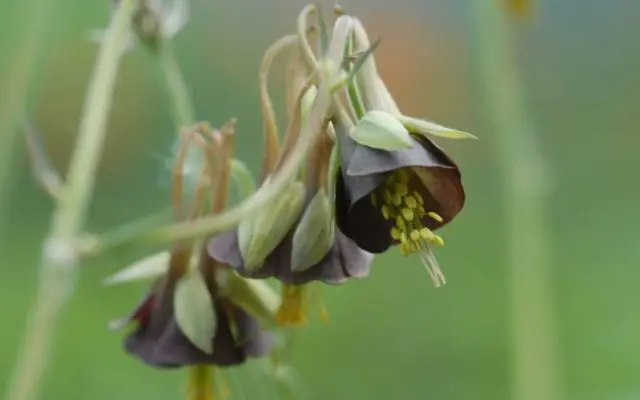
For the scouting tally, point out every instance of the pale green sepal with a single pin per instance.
(425, 128)
(194, 312)
(313, 237)
(380, 130)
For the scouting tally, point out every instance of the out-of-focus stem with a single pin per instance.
(200, 383)
(535, 364)
(15, 85)
(59, 255)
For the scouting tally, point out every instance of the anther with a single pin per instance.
(415, 235)
(435, 217)
(386, 212)
(411, 202)
(418, 197)
(386, 195)
(407, 214)
(401, 189)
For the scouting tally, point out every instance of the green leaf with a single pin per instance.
(147, 268)
(381, 130)
(424, 127)
(313, 237)
(259, 235)
(194, 312)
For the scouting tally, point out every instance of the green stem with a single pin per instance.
(178, 90)
(59, 258)
(535, 364)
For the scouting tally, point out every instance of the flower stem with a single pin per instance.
(535, 364)
(200, 383)
(59, 258)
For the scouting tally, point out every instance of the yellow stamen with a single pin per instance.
(401, 189)
(435, 217)
(200, 385)
(293, 309)
(386, 195)
(411, 202)
(385, 212)
(400, 223)
(408, 213)
(415, 235)
(418, 197)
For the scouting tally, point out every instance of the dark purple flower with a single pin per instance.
(386, 198)
(158, 340)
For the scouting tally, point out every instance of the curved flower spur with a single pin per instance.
(189, 318)
(394, 186)
(294, 239)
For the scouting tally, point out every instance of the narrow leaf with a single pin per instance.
(424, 127)
(147, 268)
(193, 308)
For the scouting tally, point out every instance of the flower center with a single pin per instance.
(293, 308)
(405, 210)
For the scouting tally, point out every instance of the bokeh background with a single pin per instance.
(393, 335)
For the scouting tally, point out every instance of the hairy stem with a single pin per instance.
(59, 258)
(534, 359)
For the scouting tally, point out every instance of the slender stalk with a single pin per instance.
(534, 360)
(15, 85)
(59, 258)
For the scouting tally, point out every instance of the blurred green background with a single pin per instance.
(392, 335)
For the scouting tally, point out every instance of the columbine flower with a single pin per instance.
(293, 238)
(386, 198)
(159, 341)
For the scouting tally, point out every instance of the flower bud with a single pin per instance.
(259, 235)
(314, 234)
(380, 130)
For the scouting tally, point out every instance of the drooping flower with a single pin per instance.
(386, 198)
(159, 341)
(293, 238)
